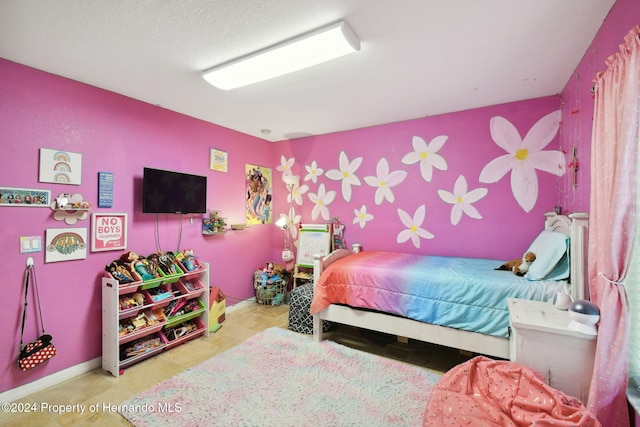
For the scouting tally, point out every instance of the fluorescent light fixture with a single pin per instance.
(315, 47)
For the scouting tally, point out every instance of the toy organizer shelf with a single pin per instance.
(144, 318)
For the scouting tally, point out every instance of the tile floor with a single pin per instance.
(100, 386)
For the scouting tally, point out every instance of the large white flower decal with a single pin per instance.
(321, 200)
(362, 216)
(313, 172)
(462, 200)
(346, 173)
(414, 230)
(524, 157)
(296, 193)
(285, 165)
(384, 181)
(427, 155)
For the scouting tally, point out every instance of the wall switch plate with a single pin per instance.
(30, 244)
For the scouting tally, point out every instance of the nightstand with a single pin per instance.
(541, 339)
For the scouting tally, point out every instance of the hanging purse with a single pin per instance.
(42, 349)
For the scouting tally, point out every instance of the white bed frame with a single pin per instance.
(575, 226)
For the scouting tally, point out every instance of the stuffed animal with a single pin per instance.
(519, 267)
(268, 275)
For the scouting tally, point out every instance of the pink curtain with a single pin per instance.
(612, 223)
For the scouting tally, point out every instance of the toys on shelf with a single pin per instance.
(214, 224)
(129, 301)
(141, 346)
(70, 208)
(141, 321)
(119, 270)
(181, 306)
(158, 268)
(143, 318)
(180, 330)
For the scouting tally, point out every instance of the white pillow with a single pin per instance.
(552, 256)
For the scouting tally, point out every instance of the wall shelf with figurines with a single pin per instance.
(214, 224)
(70, 208)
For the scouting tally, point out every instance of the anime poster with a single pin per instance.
(258, 194)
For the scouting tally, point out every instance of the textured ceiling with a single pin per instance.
(418, 57)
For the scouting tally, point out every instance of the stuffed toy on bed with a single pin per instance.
(519, 267)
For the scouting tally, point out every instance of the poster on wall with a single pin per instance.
(65, 244)
(108, 231)
(258, 194)
(218, 160)
(60, 167)
(28, 197)
(105, 189)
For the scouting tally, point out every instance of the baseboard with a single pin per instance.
(50, 380)
(38, 385)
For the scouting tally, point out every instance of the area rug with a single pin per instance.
(281, 378)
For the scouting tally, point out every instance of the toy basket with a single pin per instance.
(273, 293)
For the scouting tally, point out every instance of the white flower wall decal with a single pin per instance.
(362, 216)
(427, 155)
(524, 157)
(346, 173)
(286, 165)
(414, 230)
(384, 181)
(462, 200)
(321, 200)
(292, 222)
(296, 193)
(313, 172)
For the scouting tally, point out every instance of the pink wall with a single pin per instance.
(120, 135)
(577, 100)
(504, 230)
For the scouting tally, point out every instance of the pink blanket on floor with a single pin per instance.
(485, 392)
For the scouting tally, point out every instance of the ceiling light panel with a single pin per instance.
(316, 47)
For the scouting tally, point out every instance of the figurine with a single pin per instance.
(268, 275)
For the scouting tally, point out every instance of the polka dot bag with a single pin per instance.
(42, 349)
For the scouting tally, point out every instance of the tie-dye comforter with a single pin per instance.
(463, 293)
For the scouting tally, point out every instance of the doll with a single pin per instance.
(268, 275)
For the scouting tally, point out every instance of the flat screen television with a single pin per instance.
(173, 192)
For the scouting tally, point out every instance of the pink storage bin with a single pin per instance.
(150, 352)
(197, 271)
(190, 288)
(166, 334)
(159, 303)
(162, 321)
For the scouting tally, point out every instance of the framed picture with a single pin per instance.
(108, 231)
(26, 197)
(218, 160)
(258, 194)
(60, 167)
(105, 189)
(65, 244)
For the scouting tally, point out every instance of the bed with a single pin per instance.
(454, 302)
